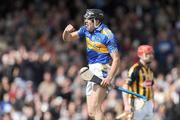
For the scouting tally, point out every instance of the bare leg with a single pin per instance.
(94, 102)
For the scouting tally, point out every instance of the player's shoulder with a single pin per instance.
(82, 31)
(106, 31)
(83, 28)
(134, 68)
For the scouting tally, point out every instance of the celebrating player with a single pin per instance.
(102, 47)
(140, 80)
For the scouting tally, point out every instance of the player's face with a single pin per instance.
(89, 24)
(147, 57)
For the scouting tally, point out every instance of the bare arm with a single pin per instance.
(70, 34)
(126, 99)
(115, 64)
(125, 96)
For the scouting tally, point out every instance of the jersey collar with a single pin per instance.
(100, 27)
(145, 66)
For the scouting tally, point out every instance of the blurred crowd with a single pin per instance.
(39, 77)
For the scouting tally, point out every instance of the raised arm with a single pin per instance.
(70, 34)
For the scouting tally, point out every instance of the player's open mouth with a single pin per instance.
(86, 25)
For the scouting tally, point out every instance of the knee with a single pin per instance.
(91, 115)
(93, 111)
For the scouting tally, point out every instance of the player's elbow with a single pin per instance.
(116, 59)
(65, 39)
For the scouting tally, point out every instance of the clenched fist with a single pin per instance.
(69, 28)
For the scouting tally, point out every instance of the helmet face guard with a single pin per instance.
(96, 14)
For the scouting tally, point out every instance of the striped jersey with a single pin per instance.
(100, 44)
(140, 80)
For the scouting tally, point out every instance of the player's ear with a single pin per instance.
(97, 21)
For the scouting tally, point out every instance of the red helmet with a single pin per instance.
(144, 49)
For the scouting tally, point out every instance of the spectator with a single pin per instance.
(47, 87)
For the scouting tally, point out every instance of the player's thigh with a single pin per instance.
(149, 109)
(149, 116)
(95, 99)
(138, 115)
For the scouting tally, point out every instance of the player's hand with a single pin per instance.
(69, 28)
(105, 82)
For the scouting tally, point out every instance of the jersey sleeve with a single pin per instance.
(111, 40)
(81, 32)
(132, 75)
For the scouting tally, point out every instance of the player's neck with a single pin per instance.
(143, 63)
(95, 27)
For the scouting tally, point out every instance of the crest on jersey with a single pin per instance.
(97, 39)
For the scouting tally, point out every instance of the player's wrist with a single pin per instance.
(109, 77)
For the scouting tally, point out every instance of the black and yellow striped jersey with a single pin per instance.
(140, 80)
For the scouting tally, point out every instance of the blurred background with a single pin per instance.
(39, 77)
